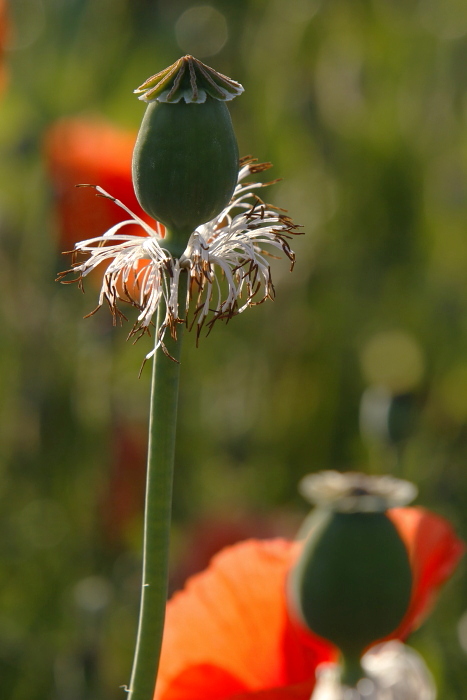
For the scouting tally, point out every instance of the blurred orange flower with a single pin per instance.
(209, 534)
(229, 635)
(434, 552)
(4, 34)
(89, 151)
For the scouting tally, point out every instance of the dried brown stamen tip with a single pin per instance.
(259, 167)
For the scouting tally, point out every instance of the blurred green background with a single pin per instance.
(362, 108)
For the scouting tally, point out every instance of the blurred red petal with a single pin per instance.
(89, 151)
(202, 682)
(205, 682)
(209, 534)
(434, 551)
(233, 617)
(302, 691)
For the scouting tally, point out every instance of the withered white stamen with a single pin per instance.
(230, 248)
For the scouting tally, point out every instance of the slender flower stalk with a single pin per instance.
(157, 517)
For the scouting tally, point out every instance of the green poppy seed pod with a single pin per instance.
(185, 161)
(402, 417)
(353, 581)
(388, 418)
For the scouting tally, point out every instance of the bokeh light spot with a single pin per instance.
(393, 360)
(92, 593)
(366, 687)
(202, 31)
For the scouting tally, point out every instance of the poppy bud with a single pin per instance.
(352, 583)
(185, 161)
(388, 418)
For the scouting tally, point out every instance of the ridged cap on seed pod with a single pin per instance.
(352, 583)
(185, 161)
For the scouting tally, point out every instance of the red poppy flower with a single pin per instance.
(211, 533)
(434, 552)
(89, 151)
(229, 635)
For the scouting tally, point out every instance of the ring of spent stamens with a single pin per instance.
(225, 260)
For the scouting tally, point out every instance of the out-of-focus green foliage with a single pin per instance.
(361, 106)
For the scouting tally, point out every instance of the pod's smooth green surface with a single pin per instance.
(185, 163)
(353, 582)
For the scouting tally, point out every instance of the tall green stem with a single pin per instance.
(157, 517)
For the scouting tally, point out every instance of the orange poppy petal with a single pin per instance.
(228, 635)
(434, 551)
(233, 618)
(91, 151)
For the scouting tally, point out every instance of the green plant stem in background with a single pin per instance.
(352, 671)
(157, 518)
